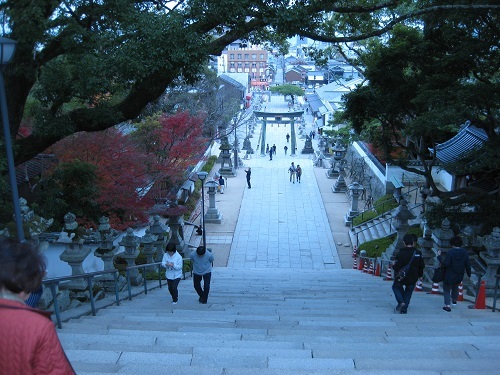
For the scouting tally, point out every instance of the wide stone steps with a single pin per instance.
(284, 321)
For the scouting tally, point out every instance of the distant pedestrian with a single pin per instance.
(267, 149)
(222, 183)
(172, 261)
(202, 269)
(286, 149)
(249, 173)
(299, 172)
(456, 263)
(292, 170)
(274, 149)
(408, 254)
(271, 153)
(287, 137)
(313, 134)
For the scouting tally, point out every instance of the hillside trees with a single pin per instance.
(89, 65)
(423, 85)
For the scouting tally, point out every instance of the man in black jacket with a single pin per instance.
(403, 289)
(456, 263)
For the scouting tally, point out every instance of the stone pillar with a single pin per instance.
(130, 243)
(263, 140)
(492, 258)
(225, 148)
(106, 250)
(442, 236)
(158, 231)
(426, 245)
(75, 253)
(355, 189)
(176, 224)
(340, 185)
(400, 223)
(293, 137)
(212, 215)
(148, 250)
(339, 152)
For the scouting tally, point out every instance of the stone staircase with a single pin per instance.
(284, 321)
(376, 228)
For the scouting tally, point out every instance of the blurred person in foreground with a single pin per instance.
(28, 339)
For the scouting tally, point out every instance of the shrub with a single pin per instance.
(375, 248)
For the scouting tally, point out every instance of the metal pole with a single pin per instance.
(203, 212)
(10, 160)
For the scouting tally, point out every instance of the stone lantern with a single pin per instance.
(106, 250)
(443, 235)
(355, 190)
(225, 148)
(148, 250)
(157, 230)
(339, 152)
(130, 242)
(340, 185)
(175, 214)
(75, 253)
(492, 257)
(212, 215)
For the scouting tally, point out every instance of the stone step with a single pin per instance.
(281, 321)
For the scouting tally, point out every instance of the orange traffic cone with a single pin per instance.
(460, 292)
(435, 288)
(360, 264)
(481, 296)
(418, 286)
(388, 276)
(377, 270)
(371, 271)
(354, 251)
(355, 264)
(365, 266)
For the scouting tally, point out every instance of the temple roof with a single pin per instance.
(466, 140)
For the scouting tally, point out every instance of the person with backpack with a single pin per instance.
(456, 262)
(411, 258)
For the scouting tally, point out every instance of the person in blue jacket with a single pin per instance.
(456, 262)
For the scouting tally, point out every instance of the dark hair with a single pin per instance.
(200, 250)
(409, 239)
(456, 241)
(170, 248)
(23, 266)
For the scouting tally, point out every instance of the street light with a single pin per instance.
(7, 48)
(202, 176)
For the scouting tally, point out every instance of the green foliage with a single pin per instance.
(364, 217)
(375, 248)
(71, 188)
(287, 89)
(385, 203)
(186, 265)
(155, 276)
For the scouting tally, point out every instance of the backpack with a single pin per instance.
(403, 272)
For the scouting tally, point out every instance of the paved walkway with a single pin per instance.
(277, 223)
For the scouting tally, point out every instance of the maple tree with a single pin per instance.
(174, 143)
(106, 171)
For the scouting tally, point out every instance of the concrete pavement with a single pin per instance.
(277, 223)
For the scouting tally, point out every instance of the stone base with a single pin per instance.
(332, 174)
(227, 172)
(308, 150)
(213, 216)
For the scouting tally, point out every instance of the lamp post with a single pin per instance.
(7, 49)
(202, 176)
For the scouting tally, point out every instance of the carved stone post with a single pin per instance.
(75, 253)
(212, 215)
(157, 230)
(426, 245)
(400, 223)
(442, 236)
(147, 242)
(339, 152)
(340, 185)
(492, 258)
(355, 189)
(130, 243)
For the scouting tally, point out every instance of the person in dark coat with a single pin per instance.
(456, 262)
(404, 289)
(249, 174)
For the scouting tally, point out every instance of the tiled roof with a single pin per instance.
(467, 139)
(34, 167)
